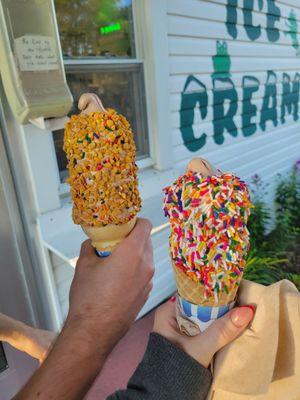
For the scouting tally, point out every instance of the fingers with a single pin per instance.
(227, 328)
(168, 308)
(87, 252)
(224, 330)
(134, 243)
(164, 313)
(140, 233)
(135, 251)
(148, 257)
(144, 295)
(148, 288)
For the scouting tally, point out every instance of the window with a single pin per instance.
(97, 39)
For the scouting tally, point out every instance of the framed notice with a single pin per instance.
(36, 53)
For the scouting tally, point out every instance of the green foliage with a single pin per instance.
(295, 278)
(287, 200)
(266, 262)
(257, 225)
(287, 211)
(265, 269)
(80, 23)
(260, 215)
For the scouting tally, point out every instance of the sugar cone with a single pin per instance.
(193, 292)
(106, 238)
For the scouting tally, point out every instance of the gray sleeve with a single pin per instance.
(166, 373)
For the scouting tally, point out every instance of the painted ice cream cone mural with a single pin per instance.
(209, 240)
(101, 152)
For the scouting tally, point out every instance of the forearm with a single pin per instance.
(166, 372)
(69, 370)
(10, 329)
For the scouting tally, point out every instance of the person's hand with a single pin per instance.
(202, 347)
(107, 293)
(33, 341)
(36, 342)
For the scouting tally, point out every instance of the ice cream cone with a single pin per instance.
(100, 149)
(209, 240)
(106, 238)
(193, 291)
(194, 308)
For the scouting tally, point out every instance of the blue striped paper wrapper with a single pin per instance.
(103, 253)
(202, 316)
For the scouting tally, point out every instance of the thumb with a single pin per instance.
(227, 328)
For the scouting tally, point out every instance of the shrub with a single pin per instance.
(260, 215)
(267, 262)
(287, 200)
(265, 269)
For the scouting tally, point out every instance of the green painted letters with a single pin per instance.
(194, 93)
(231, 19)
(253, 32)
(290, 97)
(269, 111)
(222, 121)
(250, 86)
(273, 16)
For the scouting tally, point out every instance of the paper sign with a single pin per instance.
(36, 53)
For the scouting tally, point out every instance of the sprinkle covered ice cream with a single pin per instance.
(103, 175)
(209, 239)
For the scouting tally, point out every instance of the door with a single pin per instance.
(15, 292)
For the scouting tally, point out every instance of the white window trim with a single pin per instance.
(150, 21)
(151, 41)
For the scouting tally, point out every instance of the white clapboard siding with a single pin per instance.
(190, 65)
(175, 118)
(186, 26)
(259, 136)
(213, 9)
(293, 3)
(189, 46)
(220, 152)
(257, 97)
(177, 81)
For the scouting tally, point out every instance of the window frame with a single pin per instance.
(87, 63)
(139, 88)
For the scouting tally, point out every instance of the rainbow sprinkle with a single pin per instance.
(209, 239)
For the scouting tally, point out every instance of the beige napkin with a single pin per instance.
(264, 362)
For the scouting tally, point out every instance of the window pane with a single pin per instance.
(119, 87)
(95, 28)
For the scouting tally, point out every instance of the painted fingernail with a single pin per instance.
(173, 299)
(252, 306)
(241, 316)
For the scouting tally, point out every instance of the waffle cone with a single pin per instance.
(193, 292)
(106, 238)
